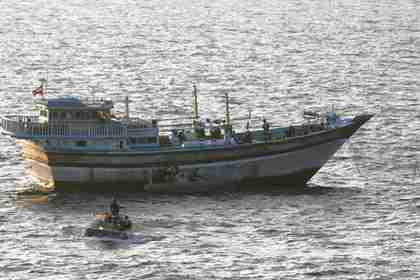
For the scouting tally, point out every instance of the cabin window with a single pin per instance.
(43, 113)
(78, 116)
(62, 115)
(54, 115)
(81, 143)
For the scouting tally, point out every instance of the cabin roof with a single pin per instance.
(67, 103)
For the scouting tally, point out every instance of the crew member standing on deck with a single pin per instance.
(266, 128)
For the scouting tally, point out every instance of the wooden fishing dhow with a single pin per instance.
(78, 144)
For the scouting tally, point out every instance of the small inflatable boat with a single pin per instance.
(111, 225)
(108, 225)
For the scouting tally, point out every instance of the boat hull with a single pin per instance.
(287, 162)
(93, 232)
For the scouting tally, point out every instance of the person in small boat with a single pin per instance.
(127, 222)
(115, 208)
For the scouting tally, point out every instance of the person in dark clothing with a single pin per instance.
(181, 137)
(266, 130)
(115, 207)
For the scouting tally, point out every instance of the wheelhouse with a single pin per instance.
(74, 110)
(82, 124)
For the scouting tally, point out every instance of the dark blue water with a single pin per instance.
(358, 218)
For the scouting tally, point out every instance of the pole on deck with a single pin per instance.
(227, 109)
(127, 108)
(195, 103)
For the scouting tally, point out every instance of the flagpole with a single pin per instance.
(44, 88)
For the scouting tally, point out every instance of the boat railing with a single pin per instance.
(142, 132)
(96, 101)
(27, 127)
(24, 118)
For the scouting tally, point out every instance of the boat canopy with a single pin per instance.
(72, 103)
(73, 108)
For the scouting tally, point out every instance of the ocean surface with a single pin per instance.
(358, 218)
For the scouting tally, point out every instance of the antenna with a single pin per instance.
(44, 83)
(248, 123)
(127, 108)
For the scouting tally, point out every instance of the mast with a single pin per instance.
(227, 109)
(228, 126)
(195, 103)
